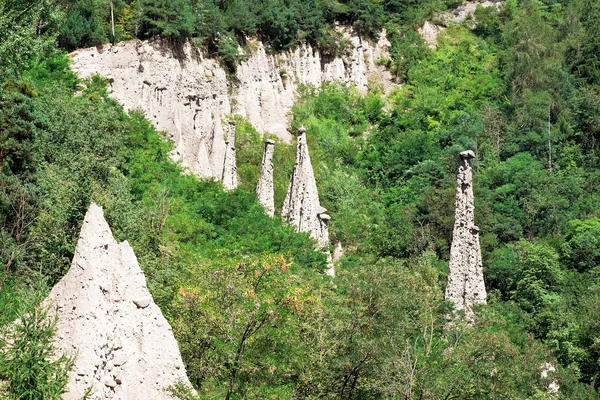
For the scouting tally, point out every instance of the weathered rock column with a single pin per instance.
(123, 347)
(465, 286)
(264, 189)
(338, 250)
(229, 177)
(301, 206)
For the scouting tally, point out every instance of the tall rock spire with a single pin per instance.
(122, 345)
(301, 206)
(229, 177)
(465, 286)
(264, 189)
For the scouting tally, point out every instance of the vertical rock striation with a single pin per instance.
(264, 188)
(229, 177)
(465, 286)
(123, 346)
(301, 206)
(187, 94)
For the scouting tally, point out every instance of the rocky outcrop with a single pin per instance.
(107, 320)
(463, 11)
(429, 31)
(465, 286)
(229, 178)
(188, 100)
(264, 188)
(301, 206)
(549, 378)
(268, 83)
(189, 96)
(338, 250)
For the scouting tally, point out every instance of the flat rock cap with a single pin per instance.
(467, 155)
(321, 210)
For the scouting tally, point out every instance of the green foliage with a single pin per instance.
(238, 324)
(27, 33)
(253, 315)
(582, 53)
(18, 125)
(407, 49)
(538, 271)
(171, 18)
(28, 362)
(581, 246)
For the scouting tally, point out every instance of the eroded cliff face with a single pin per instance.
(268, 83)
(107, 320)
(465, 287)
(229, 178)
(191, 98)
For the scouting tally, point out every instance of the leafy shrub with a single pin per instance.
(28, 361)
(582, 244)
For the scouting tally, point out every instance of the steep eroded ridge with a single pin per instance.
(190, 97)
(107, 320)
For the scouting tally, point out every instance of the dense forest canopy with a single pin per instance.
(518, 85)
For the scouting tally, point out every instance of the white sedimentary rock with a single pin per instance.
(430, 31)
(465, 286)
(301, 206)
(552, 386)
(229, 177)
(188, 95)
(123, 346)
(338, 250)
(264, 188)
(463, 11)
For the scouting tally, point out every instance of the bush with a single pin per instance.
(29, 362)
(582, 244)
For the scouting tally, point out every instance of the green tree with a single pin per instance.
(84, 24)
(539, 272)
(29, 362)
(176, 19)
(28, 31)
(582, 244)
(238, 325)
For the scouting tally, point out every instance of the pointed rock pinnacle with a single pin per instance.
(301, 206)
(122, 345)
(264, 189)
(465, 286)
